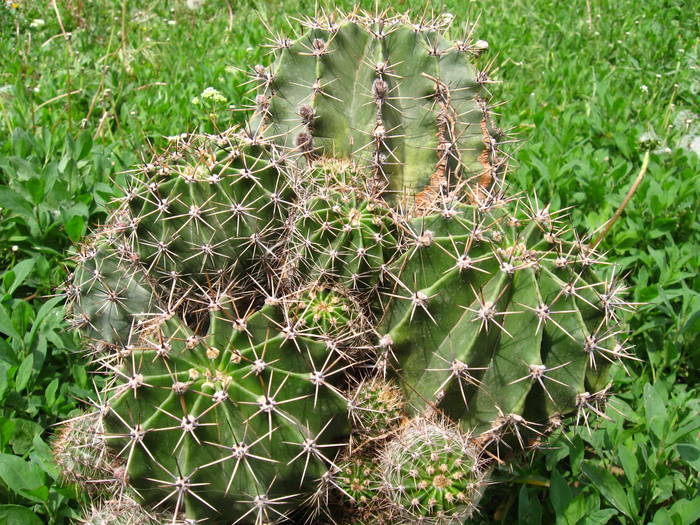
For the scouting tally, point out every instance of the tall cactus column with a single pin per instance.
(395, 97)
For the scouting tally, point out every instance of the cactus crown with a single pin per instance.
(336, 305)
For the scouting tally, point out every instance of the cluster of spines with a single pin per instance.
(123, 511)
(106, 290)
(81, 455)
(245, 409)
(424, 470)
(433, 474)
(201, 215)
(377, 405)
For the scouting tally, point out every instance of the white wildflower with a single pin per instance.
(194, 5)
(213, 94)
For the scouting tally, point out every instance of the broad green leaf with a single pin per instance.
(687, 510)
(529, 509)
(690, 453)
(559, 493)
(20, 475)
(43, 456)
(46, 309)
(75, 227)
(611, 489)
(7, 428)
(6, 326)
(655, 410)
(50, 392)
(24, 434)
(19, 272)
(24, 373)
(580, 507)
(598, 517)
(14, 202)
(18, 515)
(629, 461)
(4, 383)
(83, 145)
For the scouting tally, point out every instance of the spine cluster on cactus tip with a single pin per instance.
(333, 314)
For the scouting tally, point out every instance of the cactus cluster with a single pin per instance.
(333, 314)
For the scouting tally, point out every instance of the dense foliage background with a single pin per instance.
(88, 88)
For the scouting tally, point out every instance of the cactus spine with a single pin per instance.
(334, 311)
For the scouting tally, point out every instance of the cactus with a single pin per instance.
(199, 216)
(81, 454)
(121, 511)
(105, 294)
(497, 320)
(395, 97)
(244, 409)
(432, 473)
(334, 311)
(342, 233)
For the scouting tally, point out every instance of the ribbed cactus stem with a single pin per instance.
(498, 321)
(397, 98)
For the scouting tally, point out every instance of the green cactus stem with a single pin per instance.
(238, 422)
(498, 321)
(394, 96)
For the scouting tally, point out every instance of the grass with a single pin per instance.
(589, 87)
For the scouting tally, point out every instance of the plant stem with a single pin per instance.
(628, 197)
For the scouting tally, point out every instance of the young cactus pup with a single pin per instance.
(334, 313)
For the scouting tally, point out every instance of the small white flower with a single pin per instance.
(194, 4)
(212, 94)
(172, 22)
(37, 23)
(644, 88)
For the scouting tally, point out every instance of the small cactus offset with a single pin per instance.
(333, 314)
